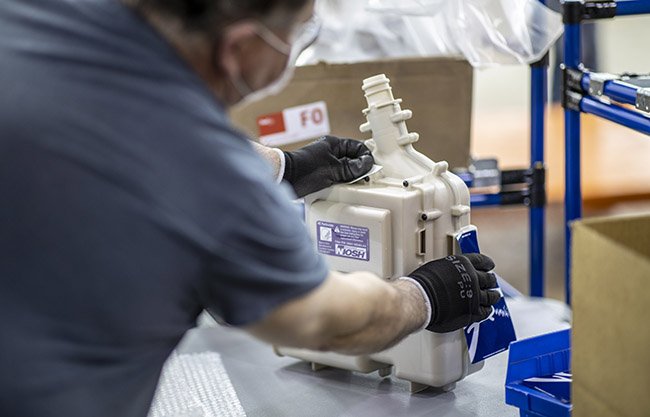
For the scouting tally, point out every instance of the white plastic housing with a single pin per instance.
(400, 218)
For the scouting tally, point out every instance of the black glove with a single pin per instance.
(457, 287)
(325, 162)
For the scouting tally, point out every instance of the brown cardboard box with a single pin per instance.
(611, 326)
(438, 90)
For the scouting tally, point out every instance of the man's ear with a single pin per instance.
(236, 41)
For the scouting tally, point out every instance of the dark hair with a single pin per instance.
(211, 16)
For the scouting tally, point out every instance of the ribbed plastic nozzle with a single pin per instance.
(392, 142)
(378, 91)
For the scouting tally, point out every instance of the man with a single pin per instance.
(129, 205)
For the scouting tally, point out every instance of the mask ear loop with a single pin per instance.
(240, 85)
(308, 34)
(305, 38)
(273, 40)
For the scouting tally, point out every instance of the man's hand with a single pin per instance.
(325, 162)
(458, 289)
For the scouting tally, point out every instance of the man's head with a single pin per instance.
(238, 46)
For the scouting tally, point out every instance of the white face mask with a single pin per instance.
(300, 40)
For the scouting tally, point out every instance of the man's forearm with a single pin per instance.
(272, 156)
(349, 313)
(394, 317)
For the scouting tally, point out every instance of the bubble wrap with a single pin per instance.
(195, 385)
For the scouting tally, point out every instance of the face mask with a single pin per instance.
(300, 40)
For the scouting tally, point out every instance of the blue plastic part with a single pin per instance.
(466, 177)
(558, 385)
(617, 114)
(539, 98)
(535, 357)
(478, 200)
(616, 90)
(630, 7)
(573, 191)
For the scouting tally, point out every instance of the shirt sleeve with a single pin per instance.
(265, 256)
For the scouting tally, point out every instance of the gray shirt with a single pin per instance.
(127, 205)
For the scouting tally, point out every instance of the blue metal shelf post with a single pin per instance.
(573, 191)
(539, 99)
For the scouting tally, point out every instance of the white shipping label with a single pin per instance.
(294, 124)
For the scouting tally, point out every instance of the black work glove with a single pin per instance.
(325, 162)
(457, 287)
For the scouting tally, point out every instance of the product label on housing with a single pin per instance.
(343, 240)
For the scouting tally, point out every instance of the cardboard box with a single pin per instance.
(611, 328)
(438, 90)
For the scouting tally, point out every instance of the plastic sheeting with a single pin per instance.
(408, 7)
(195, 385)
(486, 32)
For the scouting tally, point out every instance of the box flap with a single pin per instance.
(611, 336)
(631, 231)
(437, 90)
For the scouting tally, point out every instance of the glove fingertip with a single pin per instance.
(354, 148)
(362, 149)
(367, 161)
(493, 296)
(360, 166)
(487, 280)
(480, 262)
(484, 312)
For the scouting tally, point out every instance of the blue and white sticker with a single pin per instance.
(494, 334)
(343, 240)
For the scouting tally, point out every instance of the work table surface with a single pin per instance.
(269, 386)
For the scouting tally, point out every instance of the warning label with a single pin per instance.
(343, 240)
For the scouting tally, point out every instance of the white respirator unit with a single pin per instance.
(391, 222)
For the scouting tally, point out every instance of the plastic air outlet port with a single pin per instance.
(450, 245)
(422, 237)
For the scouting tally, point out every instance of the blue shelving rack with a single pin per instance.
(582, 92)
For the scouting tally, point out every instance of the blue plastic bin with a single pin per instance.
(538, 357)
